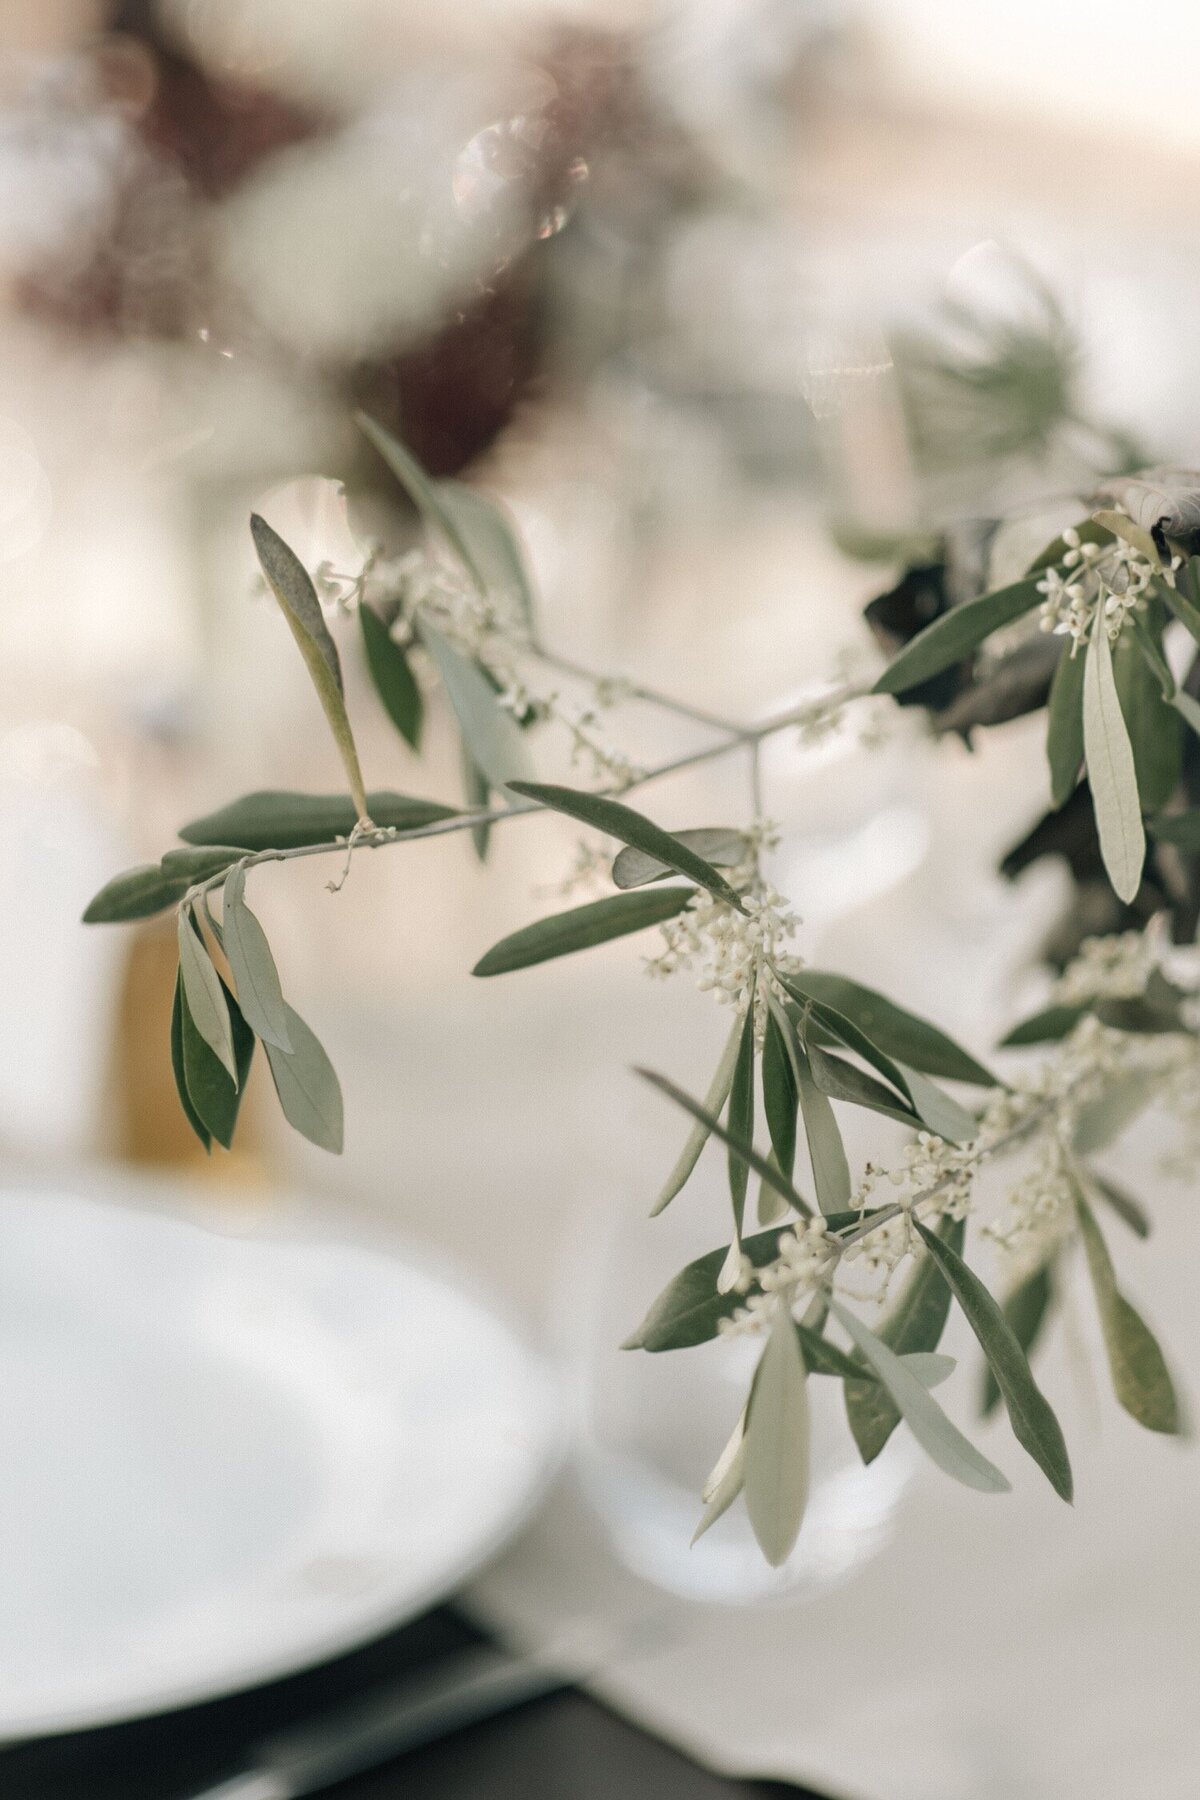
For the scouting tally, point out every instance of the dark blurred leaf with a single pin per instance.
(1129, 1210)
(1155, 728)
(1064, 727)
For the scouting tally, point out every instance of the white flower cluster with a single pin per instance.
(728, 950)
(1108, 968)
(1112, 577)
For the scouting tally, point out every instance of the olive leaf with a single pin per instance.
(1025, 1310)
(1140, 1377)
(843, 1080)
(581, 927)
(698, 1136)
(1181, 829)
(902, 1034)
(212, 1096)
(1102, 1120)
(724, 1483)
(780, 1099)
(633, 828)
(1111, 772)
(691, 1306)
(826, 1152)
(392, 675)
(136, 894)
(773, 1176)
(914, 1326)
(1130, 1211)
(942, 1441)
(426, 495)
(740, 1118)
(205, 995)
(292, 586)
(1049, 1026)
(939, 1111)
(178, 1070)
(490, 538)
(1133, 534)
(306, 1082)
(1064, 727)
(1155, 727)
(477, 795)
(274, 820)
(491, 734)
(255, 975)
(724, 849)
(1034, 1424)
(776, 1444)
(955, 634)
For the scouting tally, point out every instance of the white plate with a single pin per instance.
(228, 1457)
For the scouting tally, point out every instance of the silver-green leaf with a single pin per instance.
(307, 1085)
(1110, 766)
(259, 993)
(631, 827)
(1140, 1377)
(1030, 1413)
(491, 734)
(205, 998)
(776, 1445)
(941, 1440)
(700, 1133)
(292, 586)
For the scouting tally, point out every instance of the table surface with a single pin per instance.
(564, 1743)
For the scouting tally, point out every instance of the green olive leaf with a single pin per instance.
(392, 675)
(942, 1441)
(255, 975)
(954, 635)
(1032, 1417)
(205, 995)
(306, 1082)
(292, 586)
(633, 828)
(1140, 1377)
(596, 923)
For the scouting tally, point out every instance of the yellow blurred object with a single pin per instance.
(148, 1123)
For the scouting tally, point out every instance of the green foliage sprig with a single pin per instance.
(804, 1042)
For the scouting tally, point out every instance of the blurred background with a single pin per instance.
(711, 293)
(737, 305)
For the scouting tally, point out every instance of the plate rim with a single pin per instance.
(290, 1215)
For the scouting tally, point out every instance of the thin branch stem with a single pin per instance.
(634, 690)
(735, 737)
